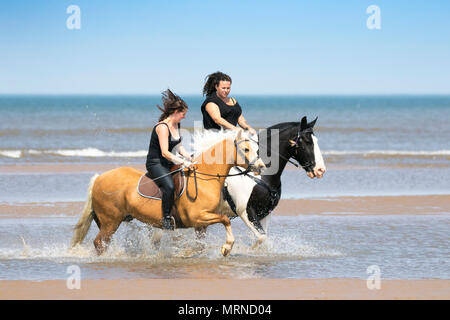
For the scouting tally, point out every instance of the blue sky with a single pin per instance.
(267, 47)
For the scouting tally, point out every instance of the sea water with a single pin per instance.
(402, 247)
(372, 145)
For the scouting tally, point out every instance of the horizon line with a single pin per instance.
(242, 94)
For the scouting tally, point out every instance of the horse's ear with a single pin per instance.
(303, 124)
(312, 123)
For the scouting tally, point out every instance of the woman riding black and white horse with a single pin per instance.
(250, 197)
(254, 197)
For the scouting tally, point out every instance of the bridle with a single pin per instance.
(250, 166)
(297, 147)
(300, 146)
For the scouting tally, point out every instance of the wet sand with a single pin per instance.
(377, 205)
(221, 289)
(102, 167)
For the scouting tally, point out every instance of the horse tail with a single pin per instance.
(84, 223)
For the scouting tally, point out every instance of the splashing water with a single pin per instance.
(297, 247)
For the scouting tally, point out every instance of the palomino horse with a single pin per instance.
(253, 198)
(112, 196)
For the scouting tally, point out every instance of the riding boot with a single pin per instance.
(167, 219)
(167, 206)
(167, 223)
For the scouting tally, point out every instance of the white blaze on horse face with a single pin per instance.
(319, 169)
(248, 151)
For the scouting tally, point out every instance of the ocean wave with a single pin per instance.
(11, 153)
(389, 153)
(77, 132)
(350, 129)
(87, 152)
(97, 153)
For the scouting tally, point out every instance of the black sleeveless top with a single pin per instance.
(229, 113)
(154, 149)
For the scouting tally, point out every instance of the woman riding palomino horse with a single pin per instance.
(165, 137)
(254, 198)
(112, 196)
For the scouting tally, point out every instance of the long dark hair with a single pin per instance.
(212, 80)
(171, 103)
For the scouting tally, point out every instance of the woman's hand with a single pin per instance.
(251, 130)
(188, 165)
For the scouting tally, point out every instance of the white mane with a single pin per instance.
(205, 139)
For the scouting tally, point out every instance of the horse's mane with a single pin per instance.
(205, 139)
(284, 125)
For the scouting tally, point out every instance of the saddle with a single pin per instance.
(147, 188)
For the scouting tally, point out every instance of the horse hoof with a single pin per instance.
(225, 251)
(260, 241)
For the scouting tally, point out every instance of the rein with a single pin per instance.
(209, 175)
(283, 157)
(167, 174)
(215, 175)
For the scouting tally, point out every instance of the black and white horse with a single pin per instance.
(254, 197)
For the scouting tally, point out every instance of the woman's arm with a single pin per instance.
(214, 112)
(243, 124)
(183, 152)
(163, 137)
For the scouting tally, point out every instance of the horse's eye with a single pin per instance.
(307, 139)
(246, 150)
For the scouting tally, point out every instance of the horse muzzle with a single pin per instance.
(317, 172)
(257, 166)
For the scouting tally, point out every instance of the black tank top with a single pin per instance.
(229, 113)
(154, 149)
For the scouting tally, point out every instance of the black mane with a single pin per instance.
(284, 125)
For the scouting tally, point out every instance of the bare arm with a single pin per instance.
(163, 137)
(243, 124)
(183, 152)
(214, 112)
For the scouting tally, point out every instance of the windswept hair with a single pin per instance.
(212, 80)
(171, 103)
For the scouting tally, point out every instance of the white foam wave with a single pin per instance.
(11, 153)
(86, 152)
(389, 153)
(93, 152)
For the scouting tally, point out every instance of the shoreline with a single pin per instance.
(338, 206)
(221, 289)
(77, 167)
